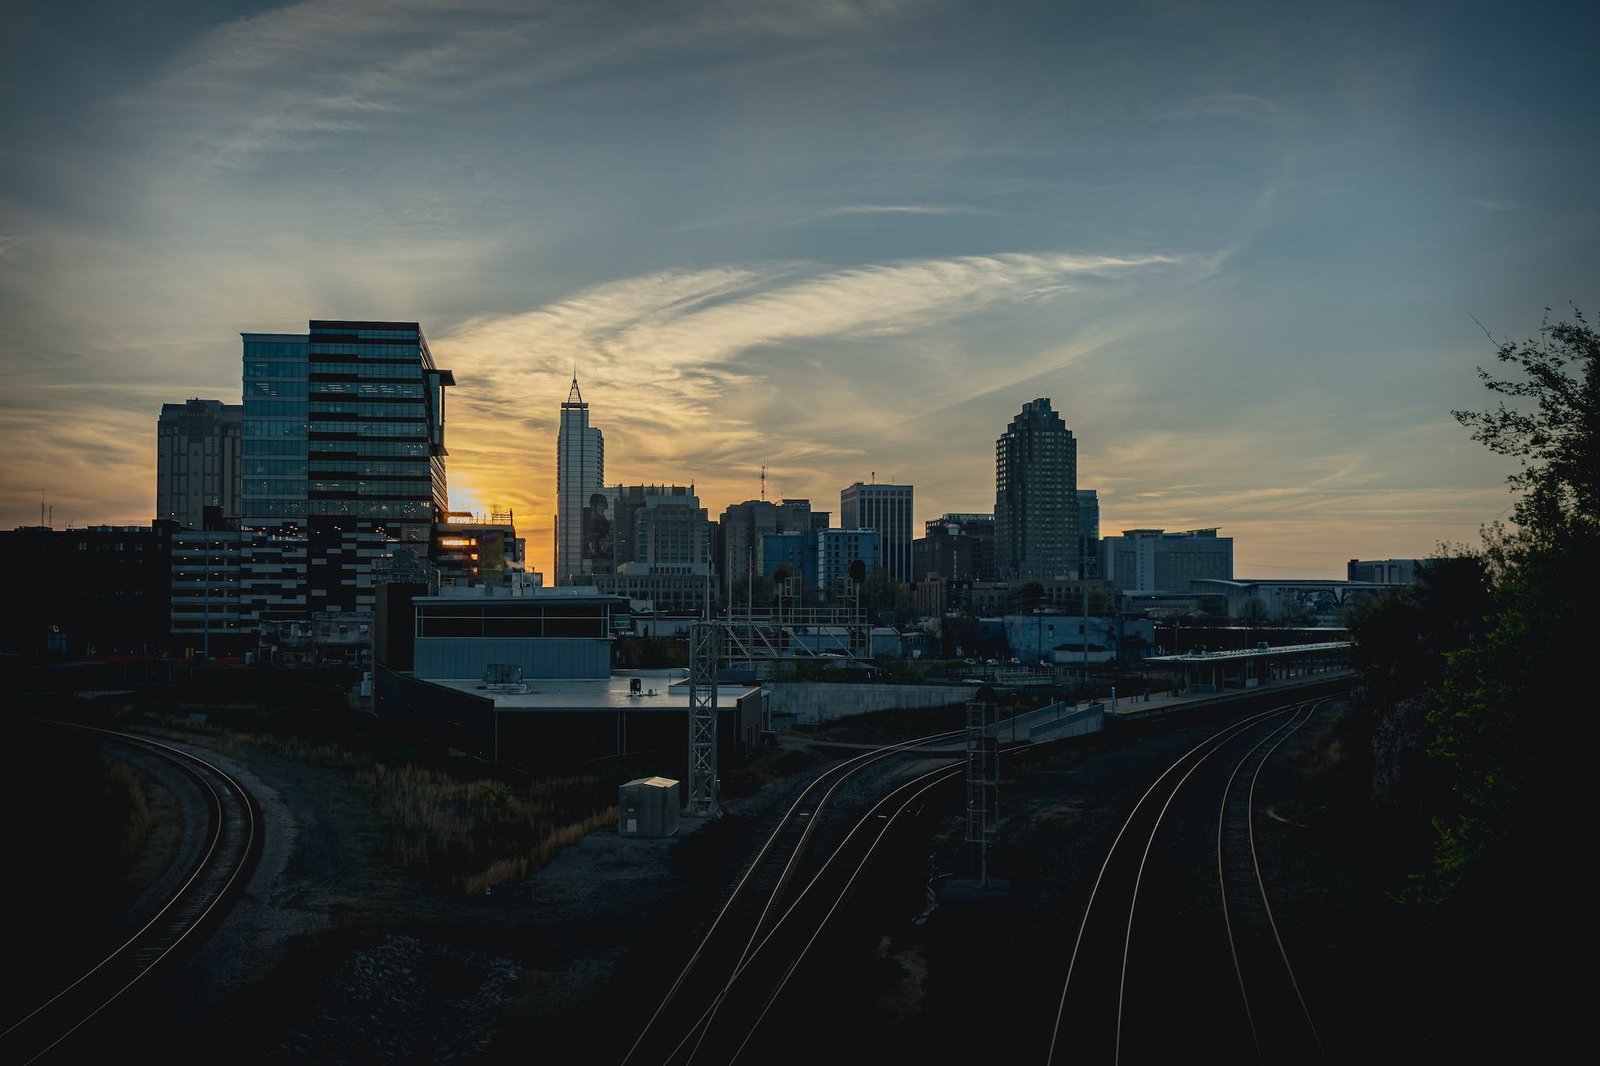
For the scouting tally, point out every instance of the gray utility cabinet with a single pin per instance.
(648, 807)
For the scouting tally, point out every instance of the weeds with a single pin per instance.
(469, 836)
(125, 794)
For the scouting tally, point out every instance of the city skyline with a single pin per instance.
(1250, 252)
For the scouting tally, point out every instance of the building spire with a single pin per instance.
(574, 396)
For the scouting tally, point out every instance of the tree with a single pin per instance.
(1403, 641)
(1557, 441)
(1029, 595)
(747, 589)
(1497, 727)
(883, 598)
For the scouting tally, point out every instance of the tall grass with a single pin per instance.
(468, 836)
(459, 835)
(125, 795)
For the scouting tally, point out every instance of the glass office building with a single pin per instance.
(343, 447)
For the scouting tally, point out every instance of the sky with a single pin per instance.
(1253, 253)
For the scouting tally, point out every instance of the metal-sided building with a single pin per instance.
(526, 681)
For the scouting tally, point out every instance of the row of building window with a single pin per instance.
(374, 508)
(374, 351)
(254, 408)
(396, 389)
(276, 350)
(275, 388)
(285, 427)
(275, 467)
(362, 430)
(362, 409)
(409, 486)
(365, 448)
(295, 447)
(372, 468)
(374, 369)
(257, 369)
(273, 510)
(274, 487)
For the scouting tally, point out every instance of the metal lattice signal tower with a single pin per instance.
(982, 782)
(758, 636)
(704, 641)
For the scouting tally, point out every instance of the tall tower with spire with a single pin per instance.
(580, 474)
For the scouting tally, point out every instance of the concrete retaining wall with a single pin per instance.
(812, 702)
(1090, 719)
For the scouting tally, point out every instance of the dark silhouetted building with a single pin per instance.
(1036, 505)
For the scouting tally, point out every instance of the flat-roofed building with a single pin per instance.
(199, 456)
(887, 510)
(1383, 571)
(473, 550)
(344, 443)
(1154, 560)
(544, 634)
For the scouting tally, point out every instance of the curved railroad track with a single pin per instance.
(1177, 950)
(75, 1017)
(776, 911)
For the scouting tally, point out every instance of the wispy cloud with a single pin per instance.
(677, 360)
(1242, 106)
(905, 209)
(288, 78)
(671, 327)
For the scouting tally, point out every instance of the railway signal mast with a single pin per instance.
(764, 635)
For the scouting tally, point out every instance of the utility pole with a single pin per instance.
(1083, 591)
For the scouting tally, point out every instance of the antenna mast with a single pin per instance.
(763, 482)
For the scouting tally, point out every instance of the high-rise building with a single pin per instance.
(887, 509)
(739, 532)
(1089, 531)
(837, 549)
(583, 528)
(198, 456)
(344, 444)
(956, 547)
(795, 553)
(797, 515)
(662, 527)
(1153, 560)
(1035, 496)
(659, 551)
(742, 527)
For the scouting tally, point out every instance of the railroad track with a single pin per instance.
(1177, 950)
(77, 1016)
(773, 917)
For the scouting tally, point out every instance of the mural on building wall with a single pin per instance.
(597, 542)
